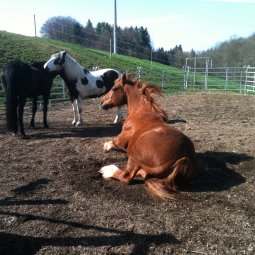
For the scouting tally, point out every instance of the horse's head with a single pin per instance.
(116, 96)
(56, 62)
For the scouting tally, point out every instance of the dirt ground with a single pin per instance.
(54, 201)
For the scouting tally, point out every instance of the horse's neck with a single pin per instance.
(135, 101)
(72, 69)
(139, 105)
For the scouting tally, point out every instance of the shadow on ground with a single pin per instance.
(16, 244)
(214, 172)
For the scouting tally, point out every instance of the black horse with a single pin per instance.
(21, 81)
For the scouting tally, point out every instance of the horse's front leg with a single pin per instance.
(79, 106)
(34, 109)
(119, 116)
(74, 107)
(22, 102)
(126, 176)
(120, 142)
(45, 109)
(109, 146)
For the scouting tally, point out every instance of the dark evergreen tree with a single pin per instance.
(160, 56)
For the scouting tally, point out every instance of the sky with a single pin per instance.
(194, 24)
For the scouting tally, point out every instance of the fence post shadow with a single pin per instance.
(17, 244)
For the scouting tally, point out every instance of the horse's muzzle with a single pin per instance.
(106, 104)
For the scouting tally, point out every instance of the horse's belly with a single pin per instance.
(88, 91)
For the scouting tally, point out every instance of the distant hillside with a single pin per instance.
(28, 49)
(234, 52)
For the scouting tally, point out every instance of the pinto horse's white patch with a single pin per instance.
(108, 171)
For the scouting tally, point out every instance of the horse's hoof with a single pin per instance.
(108, 171)
(46, 126)
(78, 124)
(24, 136)
(74, 123)
(108, 146)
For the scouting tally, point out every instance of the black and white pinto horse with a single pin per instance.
(82, 83)
(21, 81)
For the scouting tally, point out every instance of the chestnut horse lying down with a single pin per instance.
(161, 154)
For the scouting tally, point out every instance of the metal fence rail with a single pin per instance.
(209, 79)
(188, 79)
(169, 79)
(250, 80)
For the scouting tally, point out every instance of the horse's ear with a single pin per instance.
(137, 82)
(124, 78)
(129, 76)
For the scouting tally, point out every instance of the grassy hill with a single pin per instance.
(28, 49)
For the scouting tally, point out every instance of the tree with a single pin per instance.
(192, 53)
(89, 34)
(78, 33)
(144, 37)
(233, 52)
(131, 41)
(160, 56)
(61, 28)
(104, 27)
(104, 32)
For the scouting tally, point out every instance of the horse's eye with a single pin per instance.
(57, 61)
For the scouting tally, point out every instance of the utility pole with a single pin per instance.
(110, 47)
(35, 25)
(115, 29)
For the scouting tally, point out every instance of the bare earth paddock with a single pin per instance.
(54, 201)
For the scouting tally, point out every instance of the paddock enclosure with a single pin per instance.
(54, 200)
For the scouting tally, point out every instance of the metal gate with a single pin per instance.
(228, 79)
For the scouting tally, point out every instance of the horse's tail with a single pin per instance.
(163, 189)
(3, 81)
(11, 106)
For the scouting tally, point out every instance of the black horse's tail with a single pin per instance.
(3, 81)
(11, 105)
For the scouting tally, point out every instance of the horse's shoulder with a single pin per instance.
(128, 124)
